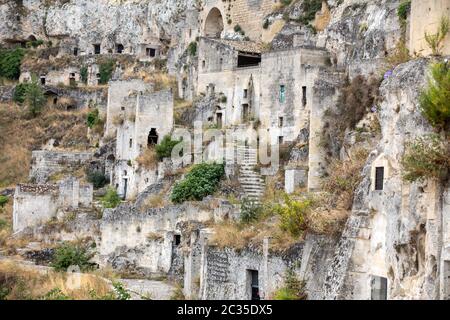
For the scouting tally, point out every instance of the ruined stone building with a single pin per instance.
(264, 74)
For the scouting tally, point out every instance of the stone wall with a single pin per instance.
(45, 163)
(37, 204)
(425, 18)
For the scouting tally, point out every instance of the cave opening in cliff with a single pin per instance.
(152, 137)
(253, 278)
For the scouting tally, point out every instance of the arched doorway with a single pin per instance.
(213, 24)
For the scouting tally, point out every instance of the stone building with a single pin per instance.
(141, 120)
(37, 204)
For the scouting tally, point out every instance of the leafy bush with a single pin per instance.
(34, 43)
(293, 215)
(164, 149)
(310, 8)
(106, 70)
(97, 178)
(19, 92)
(111, 198)
(3, 200)
(3, 224)
(34, 97)
(68, 255)
(10, 61)
(250, 211)
(200, 182)
(426, 157)
(434, 101)
(92, 118)
(435, 41)
(120, 293)
(192, 48)
(293, 289)
(55, 294)
(403, 10)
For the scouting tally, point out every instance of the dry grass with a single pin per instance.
(148, 159)
(343, 179)
(27, 282)
(154, 236)
(22, 134)
(154, 201)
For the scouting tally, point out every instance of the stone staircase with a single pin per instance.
(251, 181)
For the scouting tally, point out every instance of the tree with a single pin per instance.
(34, 97)
(434, 101)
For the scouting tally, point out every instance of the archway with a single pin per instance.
(213, 24)
(152, 137)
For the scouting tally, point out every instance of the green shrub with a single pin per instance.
(3, 224)
(250, 210)
(3, 200)
(238, 28)
(84, 74)
(434, 101)
(435, 40)
(293, 289)
(98, 179)
(34, 97)
(111, 198)
(164, 149)
(34, 43)
(192, 48)
(309, 8)
(106, 70)
(293, 215)
(19, 92)
(68, 255)
(200, 182)
(426, 157)
(403, 10)
(10, 61)
(92, 118)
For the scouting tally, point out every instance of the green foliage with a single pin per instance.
(92, 118)
(97, 178)
(403, 10)
(293, 215)
(3, 200)
(19, 92)
(200, 182)
(118, 293)
(10, 61)
(426, 157)
(34, 97)
(164, 149)
(68, 255)
(55, 294)
(192, 48)
(84, 74)
(106, 70)
(435, 100)
(34, 43)
(293, 289)
(310, 8)
(250, 210)
(3, 224)
(111, 198)
(435, 41)
(285, 2)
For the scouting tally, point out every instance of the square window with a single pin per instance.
(96, 49)
(378, 288)
(151, 52)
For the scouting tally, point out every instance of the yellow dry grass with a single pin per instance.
(24, 282)
(148, 159)
(22, 134)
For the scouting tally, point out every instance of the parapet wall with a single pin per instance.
(46, 163)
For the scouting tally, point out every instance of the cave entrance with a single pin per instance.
(219, 120)
(152, 137)
(119, 48)
(213, 24)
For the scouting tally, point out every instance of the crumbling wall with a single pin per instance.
(46, 163)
